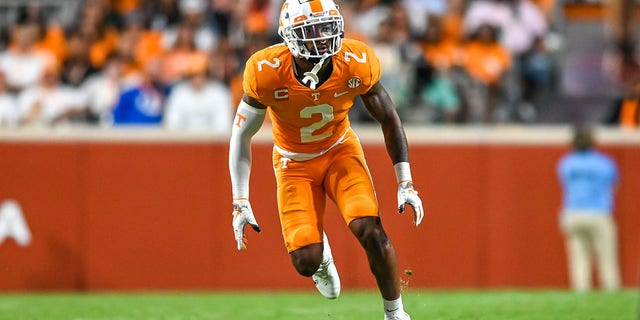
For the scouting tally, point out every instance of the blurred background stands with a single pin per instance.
(426, 49)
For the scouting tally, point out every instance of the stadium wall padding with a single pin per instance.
(157, 215)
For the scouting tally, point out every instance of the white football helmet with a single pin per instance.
(311, 28)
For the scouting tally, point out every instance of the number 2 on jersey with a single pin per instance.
(306, 133)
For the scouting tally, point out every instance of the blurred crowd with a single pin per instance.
(179, 63)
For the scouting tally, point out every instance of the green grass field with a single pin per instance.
(423, 305)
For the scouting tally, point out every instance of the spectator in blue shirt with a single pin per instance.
(141, 104)
(589, 178)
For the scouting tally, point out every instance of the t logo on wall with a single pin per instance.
(13, 224)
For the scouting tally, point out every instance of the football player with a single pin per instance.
(307, 85)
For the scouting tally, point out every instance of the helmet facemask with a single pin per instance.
(308, 34)
(316, 40)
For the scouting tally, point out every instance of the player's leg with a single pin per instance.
(380, 253)
(349, 185)
(308, 246)
(301, 203)
(382, 262)
(301, 227)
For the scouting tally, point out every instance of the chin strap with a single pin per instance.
(312, 76)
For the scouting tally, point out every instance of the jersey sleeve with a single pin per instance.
(262, 73)
(376, 69)
(369, 72)
(250, 80)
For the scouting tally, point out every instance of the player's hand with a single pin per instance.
(408, 195)
(242, 215)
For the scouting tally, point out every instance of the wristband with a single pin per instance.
(403, 171)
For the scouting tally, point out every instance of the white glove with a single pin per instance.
(407, 195)
(242, 214)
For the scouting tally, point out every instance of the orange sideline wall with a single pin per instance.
(111, 215)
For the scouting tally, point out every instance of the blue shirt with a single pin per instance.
(588, 180)
(139, 105)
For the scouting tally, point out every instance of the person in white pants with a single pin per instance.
(589, 180)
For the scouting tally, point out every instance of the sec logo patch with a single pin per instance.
(354, 82)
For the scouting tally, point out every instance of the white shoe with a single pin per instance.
(397, 316)
(326, 278)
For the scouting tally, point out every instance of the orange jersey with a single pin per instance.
(486, 61)
(306, 120)
(444, 54)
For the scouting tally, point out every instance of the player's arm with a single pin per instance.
(247, 122)
(381, 107)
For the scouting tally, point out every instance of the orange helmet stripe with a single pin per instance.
(316, 6)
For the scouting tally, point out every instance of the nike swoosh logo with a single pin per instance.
(387, 310)
(337, 95)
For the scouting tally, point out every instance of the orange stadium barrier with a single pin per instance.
(119, 213)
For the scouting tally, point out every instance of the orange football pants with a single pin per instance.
(303, 186)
